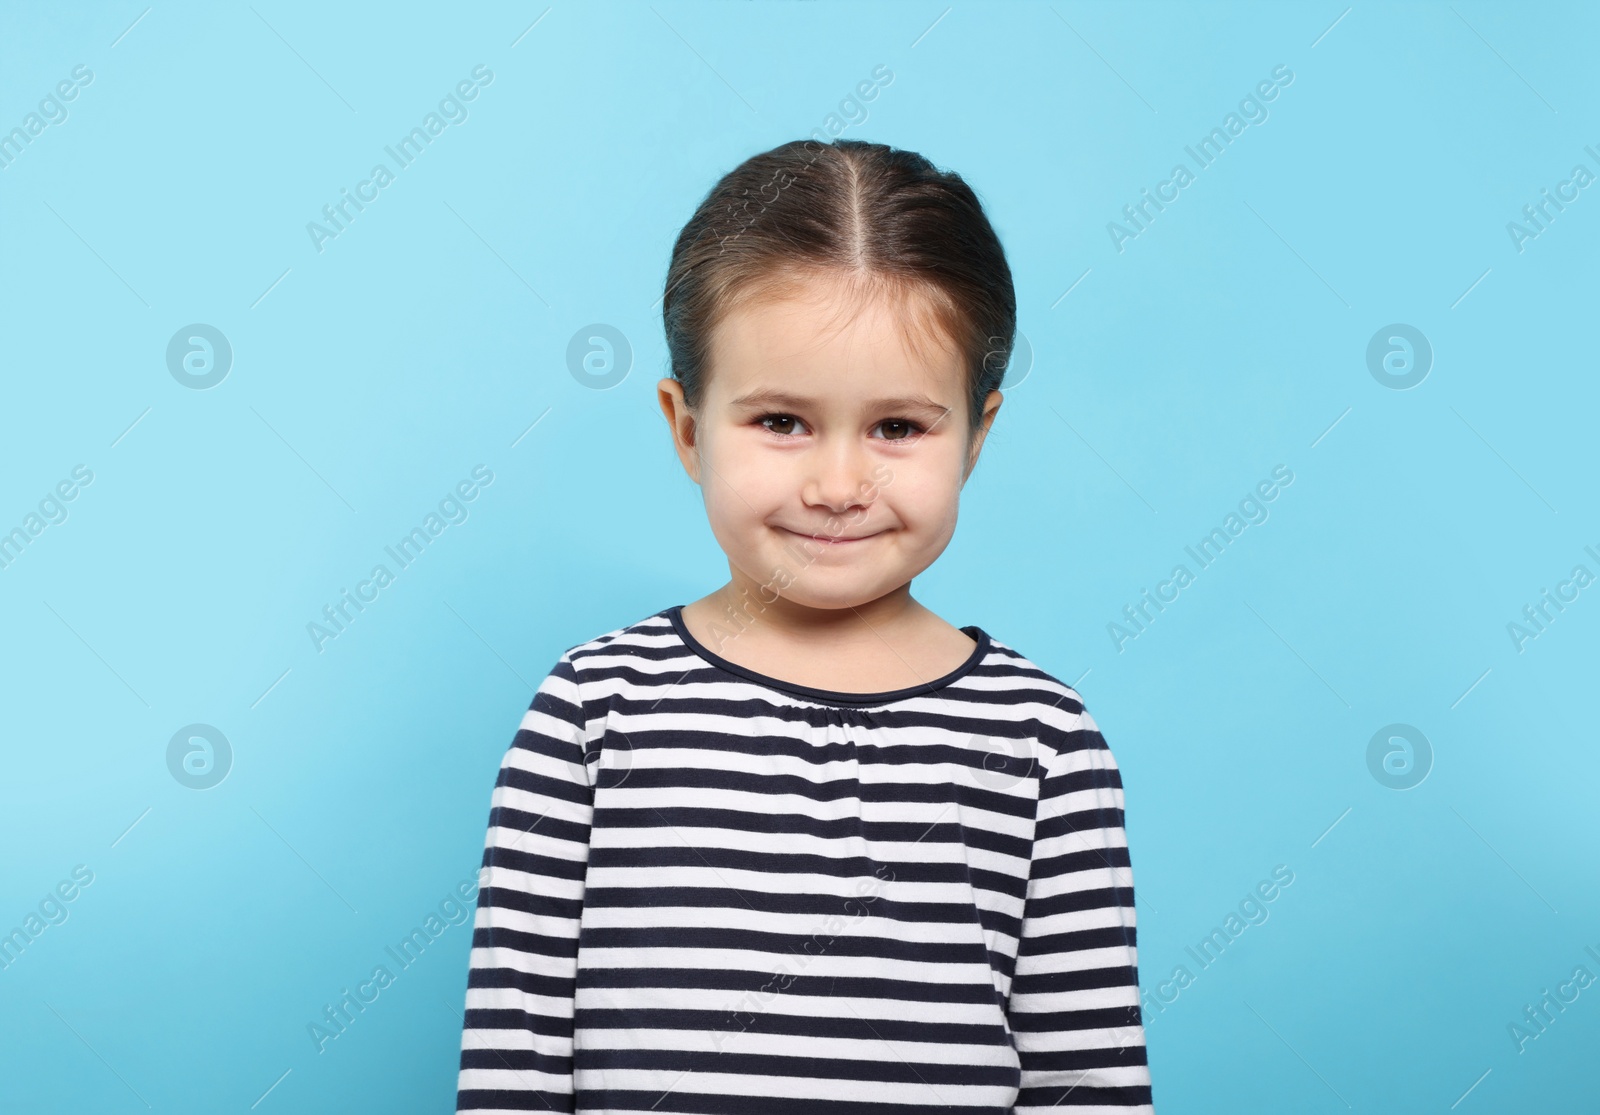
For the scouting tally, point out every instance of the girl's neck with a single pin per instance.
(889, 643)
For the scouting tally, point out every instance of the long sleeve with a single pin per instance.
(1074, 1002)
(516, 1043)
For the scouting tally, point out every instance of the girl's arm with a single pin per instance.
(1074, 1002)
(516, 1044)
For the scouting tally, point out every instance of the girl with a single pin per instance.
(801, 846)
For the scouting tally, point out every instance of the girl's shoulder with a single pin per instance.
(1059, 708)
(1006, 663)
(653, 631)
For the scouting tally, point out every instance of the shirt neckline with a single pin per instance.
(831, 696)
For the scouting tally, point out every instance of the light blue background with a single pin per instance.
(369, 378)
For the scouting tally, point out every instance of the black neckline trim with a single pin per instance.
(675, 615)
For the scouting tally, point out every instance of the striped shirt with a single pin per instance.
(706, 890)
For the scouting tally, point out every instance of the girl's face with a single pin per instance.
(829, 452)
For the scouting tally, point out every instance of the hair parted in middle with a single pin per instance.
(881, 221)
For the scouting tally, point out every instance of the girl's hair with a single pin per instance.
(881, 220)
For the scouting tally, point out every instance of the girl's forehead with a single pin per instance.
(859, 377)
(906, 400)
(834, 333)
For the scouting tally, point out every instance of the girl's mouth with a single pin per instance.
(841, 541)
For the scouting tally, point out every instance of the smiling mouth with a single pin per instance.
(841, 541)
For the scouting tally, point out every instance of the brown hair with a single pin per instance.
(883, 220)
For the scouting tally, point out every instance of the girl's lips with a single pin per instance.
(832, 541)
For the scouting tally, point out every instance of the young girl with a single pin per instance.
(801, 846)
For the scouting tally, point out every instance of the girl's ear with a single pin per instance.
(669, 393)
(991, 407)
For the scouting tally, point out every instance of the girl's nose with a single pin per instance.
(839, 478)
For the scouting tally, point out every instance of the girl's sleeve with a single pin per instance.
(1074, 1001)
(516, 1042)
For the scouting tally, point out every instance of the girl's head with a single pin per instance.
(838, 318)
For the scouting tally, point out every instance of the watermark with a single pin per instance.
(1004, 761)
(52, 910)
(199, 356)
(452, 509)
(599, 356)
(833, 125)
(852, 110)
(455, 908)
(740, 1019)
(1016, 360)
(781, 180)
(1252, 111)
(452, 111)
(1539, 1017)
(739, 616)
(1399, 756)
(199, 756)
(52, 510)
(1399, 356)
(1538, 615)
(52, 111)
(1537, 214)
(1253, 909)
(1252, 511)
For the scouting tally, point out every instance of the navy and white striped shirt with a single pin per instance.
(709, 891)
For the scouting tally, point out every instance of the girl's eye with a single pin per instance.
(787, 425)
(905, 429)
(780, 420)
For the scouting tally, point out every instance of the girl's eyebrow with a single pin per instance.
(771, 397)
